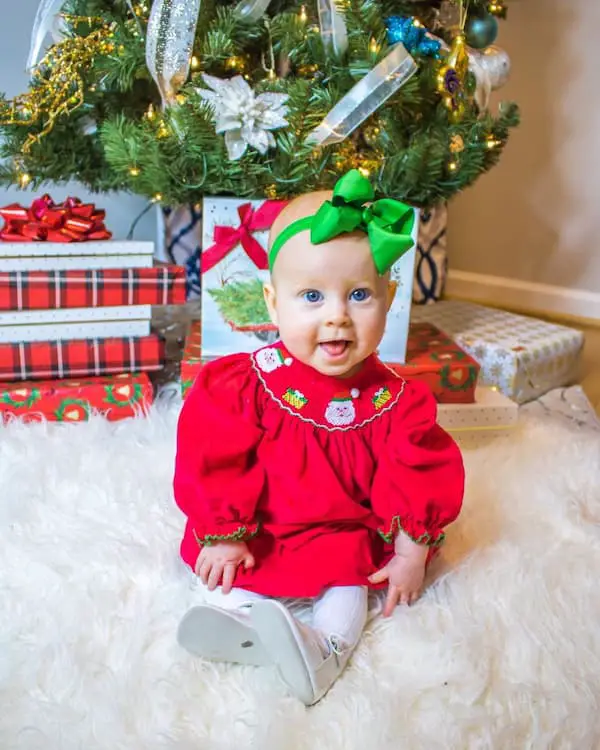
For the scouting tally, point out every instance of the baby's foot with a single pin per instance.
(222, 635)
(308, 663)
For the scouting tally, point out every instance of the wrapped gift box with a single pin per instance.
(40, 360)
(491, 415)
(104, 287)
(437, 360)
(234, 268)
(431, 357)
(192, 356)
(75, 323)
(523, 357)
(115, 397)
(51, 256)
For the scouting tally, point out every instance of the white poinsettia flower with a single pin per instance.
(245, 117)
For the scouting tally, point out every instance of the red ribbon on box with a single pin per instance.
(46, 221)
(227, 238)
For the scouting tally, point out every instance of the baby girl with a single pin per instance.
(309, 469)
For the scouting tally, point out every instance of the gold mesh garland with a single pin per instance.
(57, 86)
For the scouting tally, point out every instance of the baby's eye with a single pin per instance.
(360, 295)
(312, 295)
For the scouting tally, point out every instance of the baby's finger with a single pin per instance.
(379, 576)
(203, 571)
(404, 597)
(215, 576)
(391, 601)
(228, 577)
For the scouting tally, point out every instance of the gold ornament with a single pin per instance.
(452, 77)
(134, 171)
(497, 8)
(457, 144)
(59, 91)
(271, 192)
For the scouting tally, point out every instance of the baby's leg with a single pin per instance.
(340, 615)
(310, 659)
(221, 629)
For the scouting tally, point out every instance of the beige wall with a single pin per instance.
(536, 216)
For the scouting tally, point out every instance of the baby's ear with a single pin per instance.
(391, 292)
(270, 300)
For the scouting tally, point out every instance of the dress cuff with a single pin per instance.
(415, 530)
(228, 532)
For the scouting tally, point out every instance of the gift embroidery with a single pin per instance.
(295, 398)
(381, 397)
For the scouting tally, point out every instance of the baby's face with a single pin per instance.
(329, 302)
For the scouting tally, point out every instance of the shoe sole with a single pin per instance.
(218, 635)
(275, 627)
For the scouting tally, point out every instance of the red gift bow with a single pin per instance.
(46, 221)
(226, 238)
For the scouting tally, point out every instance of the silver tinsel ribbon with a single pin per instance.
(365, 97)
(169, 44)
(45, 22)
(332, 26)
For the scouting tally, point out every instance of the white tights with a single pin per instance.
(338, 613)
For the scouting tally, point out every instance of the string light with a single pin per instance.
(194, 63)
(492, 142)
(364, 171)
(157, 197)
(134, 171)
(373, 46)
(453, 166)
(150, 114)
(24, 180)
(303, 16)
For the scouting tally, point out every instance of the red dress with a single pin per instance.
(317, 474)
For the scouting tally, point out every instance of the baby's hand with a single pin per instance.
(405, 573)
(221, 561)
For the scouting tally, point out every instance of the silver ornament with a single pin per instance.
(491, 68)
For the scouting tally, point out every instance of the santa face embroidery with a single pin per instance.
(340, 411)
(270, 359)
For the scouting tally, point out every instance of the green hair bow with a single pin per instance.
(387, 222)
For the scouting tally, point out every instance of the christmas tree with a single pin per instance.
(177, 99)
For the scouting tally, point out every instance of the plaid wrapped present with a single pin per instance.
(114, 396)
(72, 359)
(43, 290)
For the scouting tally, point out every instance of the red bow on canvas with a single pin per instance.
(227, 238)
(46, 221)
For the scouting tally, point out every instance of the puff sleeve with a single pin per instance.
(218, 478)
(419, 483)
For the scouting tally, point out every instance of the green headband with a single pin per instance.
(388, 223)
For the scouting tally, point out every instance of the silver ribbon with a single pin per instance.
(365, 97)
(47, 20)
(252, 10)
(333, 27)
(169, 44)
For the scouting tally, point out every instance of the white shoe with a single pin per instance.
(221, 635)
(297, 650)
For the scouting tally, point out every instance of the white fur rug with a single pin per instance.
(502, 652)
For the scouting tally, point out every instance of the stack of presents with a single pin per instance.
(75, 322)
(75, 313)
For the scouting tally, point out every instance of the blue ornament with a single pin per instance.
(481, 31)
(412, 35)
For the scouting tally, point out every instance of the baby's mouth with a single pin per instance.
(334, 348)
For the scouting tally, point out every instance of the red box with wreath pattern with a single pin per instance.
(114, 396)
(434, 358)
